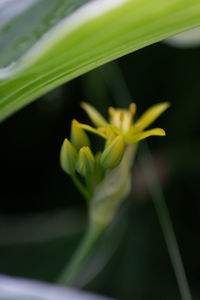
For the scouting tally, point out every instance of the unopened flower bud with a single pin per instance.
(68, 157)
(112, 155)
(78, 136)
(85, 162)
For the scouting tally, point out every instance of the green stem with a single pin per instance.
(89, 185)
(81, 255)
(81, 188)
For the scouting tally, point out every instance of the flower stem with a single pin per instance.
(81, 188)
(82, 254)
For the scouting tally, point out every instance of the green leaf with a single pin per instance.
(43, 46)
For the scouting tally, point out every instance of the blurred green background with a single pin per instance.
(42, 214)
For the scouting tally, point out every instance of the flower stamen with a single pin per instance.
(132, 108)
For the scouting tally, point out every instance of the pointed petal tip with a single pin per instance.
(151, 114)
(75, 122)
(162, 132)
(166, 104)
(155, 132)
(134, 138)
(85, 161)
(66, 141)
(83, 104)
(162, 106)
(97, 119)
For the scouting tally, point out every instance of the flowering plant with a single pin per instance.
(104, 178)
(106, 173)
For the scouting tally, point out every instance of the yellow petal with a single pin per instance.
(134, 138)
(151, 115)
(110, 135)
(121, 118)
(91, 129)
(97, 119)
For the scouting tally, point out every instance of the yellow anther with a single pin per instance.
(132, 108)
(121, 117)
(111, 111)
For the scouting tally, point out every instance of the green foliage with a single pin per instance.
(68, 38)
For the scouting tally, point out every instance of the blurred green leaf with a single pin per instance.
(43, 46)
(41, 227)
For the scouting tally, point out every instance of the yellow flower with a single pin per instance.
(106, 178)
(121, 123)
(121, 130)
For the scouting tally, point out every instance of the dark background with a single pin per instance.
(43, 215)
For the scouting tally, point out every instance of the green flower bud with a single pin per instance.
(113, 154)
(68, 155)
(78, 136)
(85, 161)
